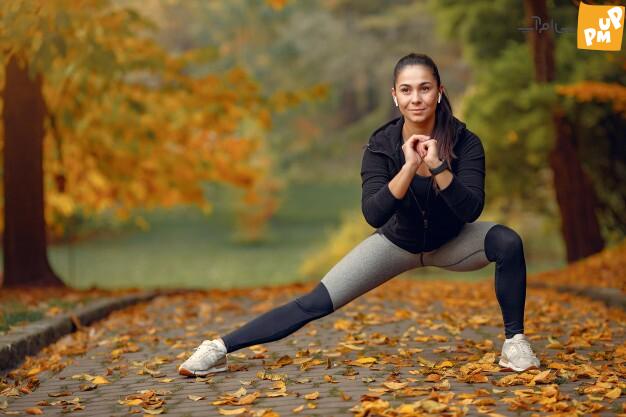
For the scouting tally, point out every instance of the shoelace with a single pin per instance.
(525, 346)
(196, 349)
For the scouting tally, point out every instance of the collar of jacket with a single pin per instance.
(388, 137)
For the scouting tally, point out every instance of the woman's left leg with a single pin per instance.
(479, 244)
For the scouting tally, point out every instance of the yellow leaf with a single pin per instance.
(350, 346)
(100, 380)
(312, 396)
(614, 393)
(232, 412)
(33, 371)
(195, 397)
(395, 385)
(366, 360)
(34, 411)
(131, 403)
(444, 364)
(248, 399)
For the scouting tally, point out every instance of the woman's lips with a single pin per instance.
(417, 110)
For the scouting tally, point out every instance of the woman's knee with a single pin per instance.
(502, 242)
(317, 301)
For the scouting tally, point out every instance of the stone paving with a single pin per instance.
(406, 348)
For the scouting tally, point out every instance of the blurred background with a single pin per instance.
(218, 144)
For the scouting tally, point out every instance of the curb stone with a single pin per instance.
(30, 339)
(612, 297)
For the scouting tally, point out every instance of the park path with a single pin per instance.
(407, 348)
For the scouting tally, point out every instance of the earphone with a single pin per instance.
(439, 99)
(395, 101)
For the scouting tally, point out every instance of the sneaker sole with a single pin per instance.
(508, 365)
(187, 372)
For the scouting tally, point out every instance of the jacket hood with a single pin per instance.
(388, 137)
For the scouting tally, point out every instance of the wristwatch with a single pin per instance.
(440, 168)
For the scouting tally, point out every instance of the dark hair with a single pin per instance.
(444, 130)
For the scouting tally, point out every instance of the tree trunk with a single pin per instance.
(575, 194)
(24, 238)
(349, 105)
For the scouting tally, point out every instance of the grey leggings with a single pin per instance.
(376, 259)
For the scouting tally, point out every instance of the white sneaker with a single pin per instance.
(518, 355)
(209, 357)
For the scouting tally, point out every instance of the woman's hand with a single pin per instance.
(411, 151)
(427, 149)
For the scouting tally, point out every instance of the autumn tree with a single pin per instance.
(97, 117)
(541, 149)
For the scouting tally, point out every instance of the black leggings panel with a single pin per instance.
(281, 321)
(504, 247)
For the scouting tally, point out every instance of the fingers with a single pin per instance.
(422, 149)
(420, 138)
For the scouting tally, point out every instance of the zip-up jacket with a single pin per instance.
(401, 220)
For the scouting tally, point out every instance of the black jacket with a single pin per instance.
(400, 220)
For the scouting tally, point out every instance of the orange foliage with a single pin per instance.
(594, 90)
(128, 127)
(604, 269)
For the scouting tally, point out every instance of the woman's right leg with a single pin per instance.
(369, 264)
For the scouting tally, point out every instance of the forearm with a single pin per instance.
(400, 183)
(378, 207)
(458, 197)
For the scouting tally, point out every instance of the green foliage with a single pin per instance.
(515, 128)
(511, 113)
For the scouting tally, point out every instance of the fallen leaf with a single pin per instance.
(100, 380)
(232, 412)
(395, 385)
(312, 396)
(614, 393)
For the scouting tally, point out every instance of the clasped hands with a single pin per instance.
(421, 148)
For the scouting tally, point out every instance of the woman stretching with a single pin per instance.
(423, 177)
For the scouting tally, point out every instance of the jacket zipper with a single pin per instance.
(424, 212)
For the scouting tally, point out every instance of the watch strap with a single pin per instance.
(440, 168)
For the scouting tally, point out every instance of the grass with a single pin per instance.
(16, 312)
(186, 249)
(15, 315)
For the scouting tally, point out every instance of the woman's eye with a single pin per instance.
(425, 89)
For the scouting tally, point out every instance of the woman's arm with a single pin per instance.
(381, 194)
(465, 193)
(443, 179)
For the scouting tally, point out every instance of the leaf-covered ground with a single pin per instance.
(605, 269)
(407, 348)
(21, 306)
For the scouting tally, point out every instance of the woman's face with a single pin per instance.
(416, 91)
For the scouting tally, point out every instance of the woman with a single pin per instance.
(423, 188)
